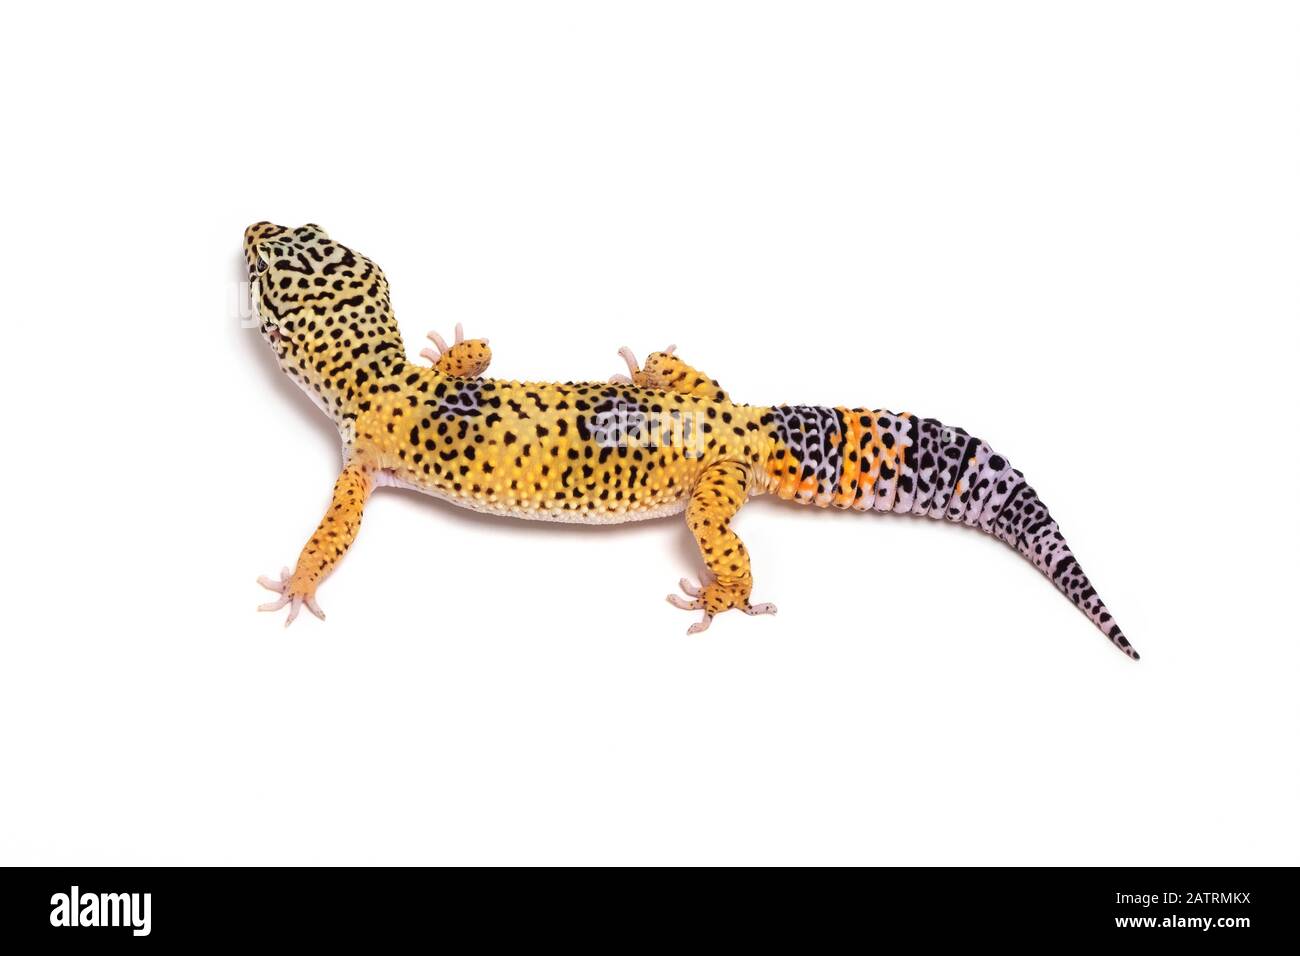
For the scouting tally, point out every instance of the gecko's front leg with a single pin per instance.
(462, 359)
(331, 540)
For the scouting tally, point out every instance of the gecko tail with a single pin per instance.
(877, 460)
(960, 478)
(1026, 525)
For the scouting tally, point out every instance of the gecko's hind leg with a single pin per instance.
(462, 359)
(665, 370)
(718, 495)
(635, 374)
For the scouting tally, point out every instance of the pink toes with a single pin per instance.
(630, 358)
(295, 601)
(441, 347)
(701, 625)
(633, 366)
(695, 594)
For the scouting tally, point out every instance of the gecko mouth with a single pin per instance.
(272, 333)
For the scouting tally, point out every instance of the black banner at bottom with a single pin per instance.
(1233, 908)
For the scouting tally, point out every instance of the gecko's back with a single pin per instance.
(580, 452)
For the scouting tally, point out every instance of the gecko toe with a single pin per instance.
(271, 584)
(692, 589)
(439, 342)
(633, 367)
(701, 625)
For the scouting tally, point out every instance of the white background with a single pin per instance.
(1070, 229)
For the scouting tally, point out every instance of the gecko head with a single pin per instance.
(324, 310)
(287, 270)
(266, 243)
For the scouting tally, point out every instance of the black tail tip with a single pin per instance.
(1119, 640)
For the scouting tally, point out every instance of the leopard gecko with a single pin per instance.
(661, 440)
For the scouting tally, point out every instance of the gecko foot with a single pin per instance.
(714, 598)
(462, 359)
(289, 595)
(644, 378)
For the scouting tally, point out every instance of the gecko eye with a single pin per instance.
(261, 265)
